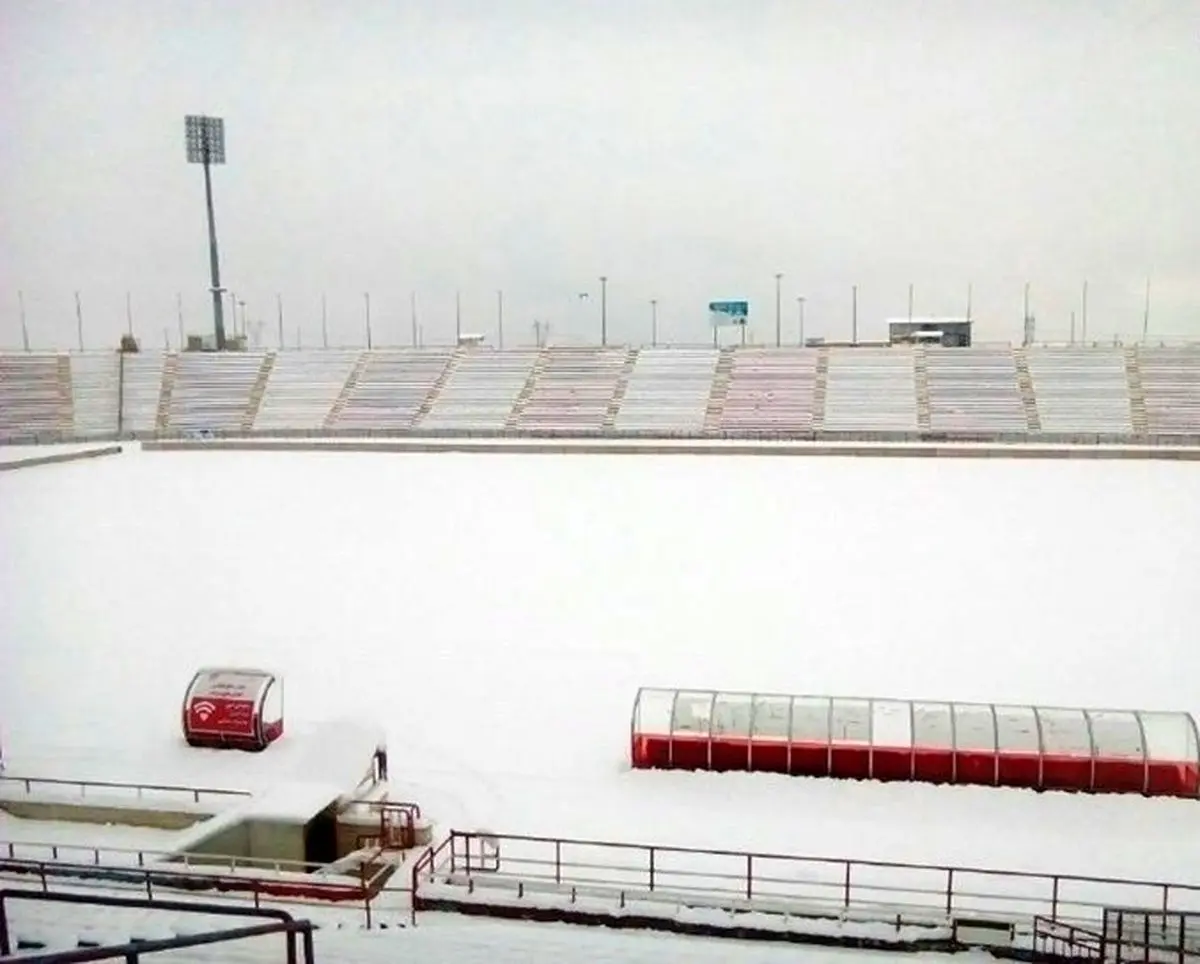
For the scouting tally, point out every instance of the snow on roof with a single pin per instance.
(293, 802)
(339, 752)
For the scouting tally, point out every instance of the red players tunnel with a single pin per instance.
(1043, 748)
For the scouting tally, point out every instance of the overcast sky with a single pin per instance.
(687, 149)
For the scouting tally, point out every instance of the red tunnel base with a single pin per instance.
(1003, 768)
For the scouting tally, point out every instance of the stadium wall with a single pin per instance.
(550, 446)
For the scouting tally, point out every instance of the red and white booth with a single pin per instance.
(232, 708)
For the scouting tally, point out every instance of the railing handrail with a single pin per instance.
(831, 861)
(30, 782)
(181, 858)
(351, 889)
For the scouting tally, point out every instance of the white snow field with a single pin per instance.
(496, 615)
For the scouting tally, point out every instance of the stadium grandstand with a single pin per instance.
(982, 393)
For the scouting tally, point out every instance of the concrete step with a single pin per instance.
(1033, 421)
(257, 392)
(820, 390)
(339, 403)
(622, 386)
(166, 388)
(921, 373)
(435, 390)
(720, 390)
(518, 409)
(1137, 393)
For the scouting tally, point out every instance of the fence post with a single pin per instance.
(950, 890)
(846, 886)
(557, 861)
(749, 876)
(1054, 898)
(651, 868)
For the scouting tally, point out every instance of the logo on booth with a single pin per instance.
(203, 709)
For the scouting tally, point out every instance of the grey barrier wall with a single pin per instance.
(58, 457)
(611, 435)
(650, 447)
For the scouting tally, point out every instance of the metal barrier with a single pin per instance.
(193, 879)
(280, 922)
(140, 790)
(485, 865)
(1136, 934)
(1055, 940)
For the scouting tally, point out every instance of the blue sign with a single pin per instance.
(728, 312)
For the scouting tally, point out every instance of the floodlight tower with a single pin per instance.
(206, 145)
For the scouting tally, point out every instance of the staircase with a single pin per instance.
(339, 403)
(921, 371)
(170, 369)
(820, 390)
(614, 405)
(518, 409)
(720, 389)
(256, 393)
(1033, 422)
(436, 388)
(66, 395)
(1057, 940)
(1137, 394)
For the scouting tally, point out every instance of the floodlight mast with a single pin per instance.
(206, 146)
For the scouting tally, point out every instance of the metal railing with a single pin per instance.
(527, 867)
(1137, 934)
(277, 922)
(374, 889)
(108, 790)
(1054, 939)
(35, 851)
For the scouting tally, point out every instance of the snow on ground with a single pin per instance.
(496, 614)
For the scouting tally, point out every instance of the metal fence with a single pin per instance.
(487, 866)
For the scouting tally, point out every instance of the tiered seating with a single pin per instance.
(1171, 386)
(668, 390)
(302, 389)
(574, 389)
(30, 395)
(974, 390)
(1081, 389)
(95, 392)
(770, 389)
(871, 390)
(392, 387)
(212, 392)
(141, 387)
(481, 390)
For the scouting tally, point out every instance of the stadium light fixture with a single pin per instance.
(206, 146)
